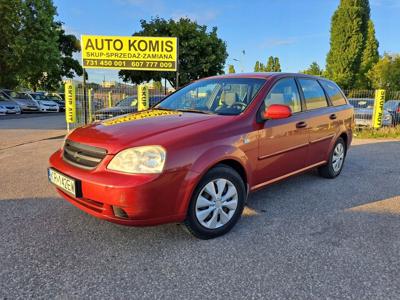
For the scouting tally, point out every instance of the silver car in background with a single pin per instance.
(364, 110)
(7, 106)
(44, 104)
(23, 100)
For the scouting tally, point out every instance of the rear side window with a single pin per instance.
(334, 93)
(284, 92)
(313, 93)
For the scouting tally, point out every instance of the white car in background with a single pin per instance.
(44, 104)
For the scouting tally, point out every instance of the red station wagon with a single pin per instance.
(195, 156)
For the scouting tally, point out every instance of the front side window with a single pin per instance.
(334, 93)
(284, 92)
(222, 96)
(314, 95)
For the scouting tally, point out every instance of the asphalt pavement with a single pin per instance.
(304, 238)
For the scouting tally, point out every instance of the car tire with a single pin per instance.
(336, 160)
(214, 211)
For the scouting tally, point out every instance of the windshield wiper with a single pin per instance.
(196, 111)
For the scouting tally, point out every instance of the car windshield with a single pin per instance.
(126, 102)
(53, 97)
(39, 96)
(17, 95)
(362, 103)
(223, 96)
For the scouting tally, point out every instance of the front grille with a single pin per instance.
(363, 116)
(10, 107)
(83, 156)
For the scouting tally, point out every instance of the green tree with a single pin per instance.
(257, 67)
(68, 67)
(369, 58)
(349, 28)
(313, 69)
(385, 73)
(273, 65)
(37, 43)
(201, 53)
(9, 28)
(231, 69)
(270, 64)
(277, 65)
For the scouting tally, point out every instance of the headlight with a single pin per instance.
(3, 107)
(139, 160)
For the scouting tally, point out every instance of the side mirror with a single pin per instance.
(277, 111)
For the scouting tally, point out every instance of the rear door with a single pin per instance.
(321, 119)
(283, 144)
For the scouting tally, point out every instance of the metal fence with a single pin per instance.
(106, 102)
(363, 102)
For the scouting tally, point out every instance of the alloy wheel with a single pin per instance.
(338, 157)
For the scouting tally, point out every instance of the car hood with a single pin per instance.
(157, 127)
(25, 101)
(47, 102)
(8, 103)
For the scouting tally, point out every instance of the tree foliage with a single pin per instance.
(201, 53)
(369, 57)
(273, 65)
(37, 42)
(9, 28)
(385, 73)
(34, 50)
(231, 69)
(68, 66)
(313, 69)
(349, 29)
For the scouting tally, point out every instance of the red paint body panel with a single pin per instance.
(266, 151)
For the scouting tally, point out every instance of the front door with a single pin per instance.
(283, 144)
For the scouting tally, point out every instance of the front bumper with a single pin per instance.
(29, 108)
(146, 199)
(48, 109)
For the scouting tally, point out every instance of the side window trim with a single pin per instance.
(302, 94)
(327, 98)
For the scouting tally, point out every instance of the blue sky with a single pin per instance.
(297, 31)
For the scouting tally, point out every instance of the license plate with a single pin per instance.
(65, 183)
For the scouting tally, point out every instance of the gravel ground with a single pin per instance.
(304, 238)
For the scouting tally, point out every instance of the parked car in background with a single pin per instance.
(24, 101)
(8, 106)
(393, 107)
(195, 156)
(44, 104)
(57, 99)
(124, 106)
(364, 110)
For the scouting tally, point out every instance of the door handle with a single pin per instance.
(301, 124)
(332, 117)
